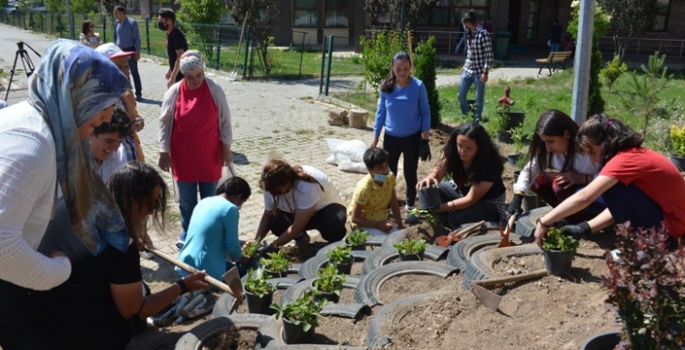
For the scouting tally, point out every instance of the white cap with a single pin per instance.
(111, 51)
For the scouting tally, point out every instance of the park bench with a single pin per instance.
(554, 61)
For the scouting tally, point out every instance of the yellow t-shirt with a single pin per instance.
(373, 199)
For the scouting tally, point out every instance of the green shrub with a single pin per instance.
(425, 62)
(411, 246)
(558, 241)
(677, 141)
(612, 71)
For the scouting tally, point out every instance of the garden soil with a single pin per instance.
(547, 313)
(243, 339)
(335, 330)
(404, 286)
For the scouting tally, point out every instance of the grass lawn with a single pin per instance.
(534, 96)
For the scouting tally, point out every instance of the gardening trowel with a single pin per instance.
(505, 242)
(457, 235)
(488, 298)
(232, 279)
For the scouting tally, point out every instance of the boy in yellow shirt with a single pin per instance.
(373, 195)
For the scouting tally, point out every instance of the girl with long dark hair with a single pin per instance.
(476, 191)
(299, 198)
(404, 113)
(638, 185)
(556, 167)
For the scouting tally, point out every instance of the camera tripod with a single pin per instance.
(25, 61)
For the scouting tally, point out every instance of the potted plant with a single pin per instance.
(299, 318)
(258, 292)
(328, 284)
(559, 250)
(250, 249)
(411, 249)
(646, 284)
(518, 137)
(357, 239)
(500, 124)
(429, 198)
(427, 215)
(276, 265)
(341, 258)
(677, 136)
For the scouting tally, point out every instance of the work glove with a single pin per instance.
(424, 150)
(515, 205)
(577, 231)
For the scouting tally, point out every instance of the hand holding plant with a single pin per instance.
(427, 215)
(250, 249)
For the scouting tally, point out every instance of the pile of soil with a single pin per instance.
(548, 313)
(300, 254)
(517, 265)
(242, 339)
(425, 231)
(335, 330)
(404, 286)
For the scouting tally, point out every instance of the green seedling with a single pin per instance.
(411, 246)
(304, 311)
(328, 281)
(427, 215)
(276, 262)
(558, 241)
(258, 284)
(340, 255)
(357, 237)
(250, 249)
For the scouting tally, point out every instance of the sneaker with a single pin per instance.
(179, 245)
(139, 97)
(411, 218)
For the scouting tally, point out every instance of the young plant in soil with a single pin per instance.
(646, 283)
(277, 262)
(302, 312)
(415, 247)
(427, 215)
(521, 162)
(340, 255)
(328, 281)
(558, 241)
(250, 249)
(357, 237)
(258, 284)
(518, 136)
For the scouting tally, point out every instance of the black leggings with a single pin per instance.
(31, 319)
(409, 146)
(481, 210)
(329, 221)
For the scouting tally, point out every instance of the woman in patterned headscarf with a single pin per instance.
(195, 135)
(44, 144)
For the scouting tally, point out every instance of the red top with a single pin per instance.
(657, 177)
(196, 150)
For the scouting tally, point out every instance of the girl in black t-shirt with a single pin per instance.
(476, 191)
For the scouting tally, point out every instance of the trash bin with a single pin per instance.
(502, 45)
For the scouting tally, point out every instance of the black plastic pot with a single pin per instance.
(471, 103)
(412, 257)
(512, 159)
(276, 274)
(679, 162)
(355, 247)
(332, 297)
(515, 119)
(344, 268)
(558, 262)
(257, 305)
(429, 198)
(530, 202)
(517, 173)
(504, 136)
(604, 341)
(294, 334)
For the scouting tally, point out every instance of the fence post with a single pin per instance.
(147, 34)
(323, 65)
(73, 22)
(330, 60)
(304, 36)
(104, 28)
(218, 47)
(41, 23)
(247, 51)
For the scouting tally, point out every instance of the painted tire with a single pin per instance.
(312, 265)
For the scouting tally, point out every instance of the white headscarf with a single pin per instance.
(192, 59)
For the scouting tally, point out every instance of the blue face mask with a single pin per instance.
(380, 178)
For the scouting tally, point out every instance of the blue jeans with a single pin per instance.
(629, 203)
(554, 47)
(187, 192)
(464, 86)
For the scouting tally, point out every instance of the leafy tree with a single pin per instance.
(425, 62)
(82, 6)
(601, 24)
(377, 52)
(55, 6)
(627, 18)
(391, 10)
(613, 71)
(201, 17)
(261, 15)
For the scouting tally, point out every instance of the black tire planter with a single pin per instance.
(271, 337)
(525, 225)
(195, 337)
(358, 247)
(259, 305)
(384, 255)
(368, 290)
(223, 305)
(504, 136)
(332, 297)
(679, 162)
(356, 254)
(512, 159)
(480, 266)
(433, 252)
(515, 119)
(294, 334)
(393, 313)
(376, 241)
(298, 289)
(429, 198)
(411, 257)
(460, 253)
(558, 262)
(604, 341)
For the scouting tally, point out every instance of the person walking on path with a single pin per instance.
(195, 135)
(44, 144)
(404, 113)
(479, 58)
(555, 37)
(176, 44)
(127, 37)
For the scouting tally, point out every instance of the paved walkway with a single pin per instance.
(270, 119)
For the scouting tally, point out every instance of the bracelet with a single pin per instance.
(181, 283)
(541, 224)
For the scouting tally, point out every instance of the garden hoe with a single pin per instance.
(234, 74)
(505, 242)
(457, 235)
(232, 279)
(489, 299)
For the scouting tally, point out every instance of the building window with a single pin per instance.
(305, 15)
(336, 13)
(533, 20)
(448, 13)
(661, 16)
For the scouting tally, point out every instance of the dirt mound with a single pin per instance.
(242, 339)
(425, 231)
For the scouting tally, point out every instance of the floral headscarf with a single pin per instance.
(73, 83)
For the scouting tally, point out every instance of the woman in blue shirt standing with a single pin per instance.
(404, 113)
(213, 230)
